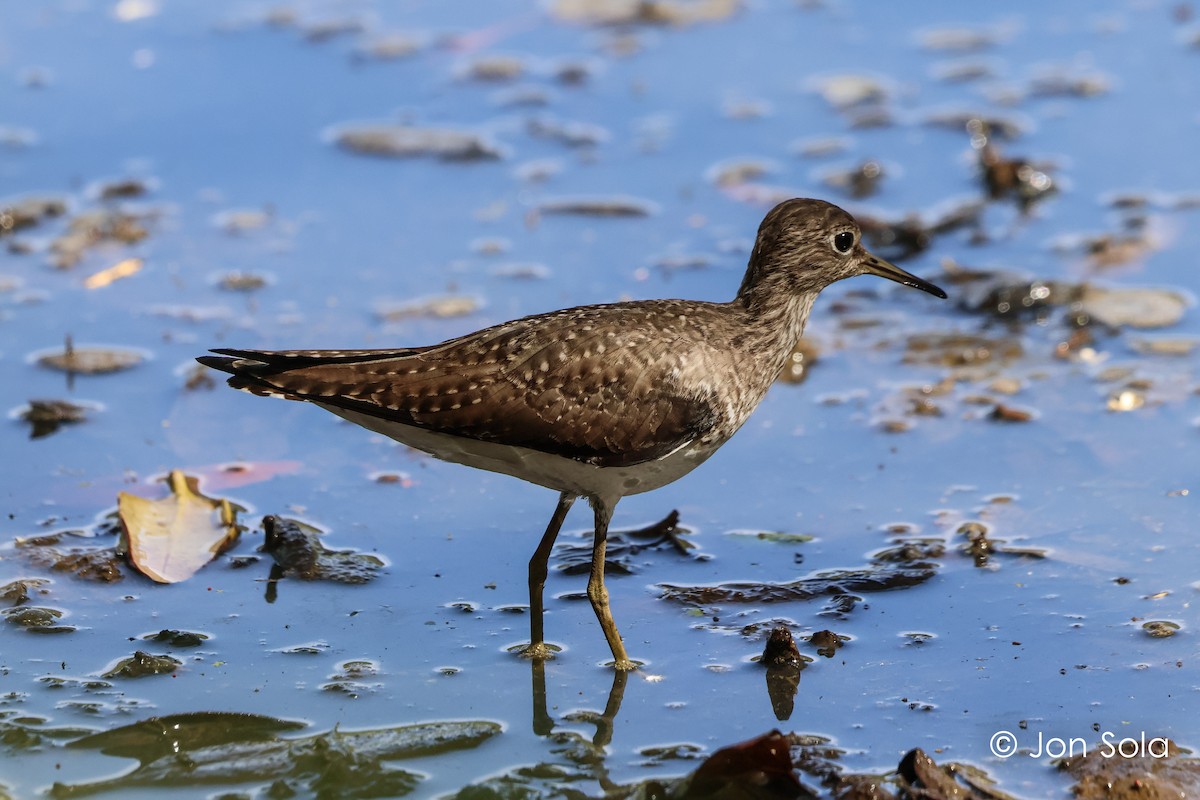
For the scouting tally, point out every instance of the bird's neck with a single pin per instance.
(776, 307)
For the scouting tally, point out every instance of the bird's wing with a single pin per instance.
(562, 383)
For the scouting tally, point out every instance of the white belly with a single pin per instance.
(553, 472)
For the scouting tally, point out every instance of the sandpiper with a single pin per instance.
(598, 401)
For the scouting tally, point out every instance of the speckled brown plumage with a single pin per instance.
(626, 396)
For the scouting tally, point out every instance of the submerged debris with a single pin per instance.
(226, 750)
(880, 578)
(407, 141)
(576, 558)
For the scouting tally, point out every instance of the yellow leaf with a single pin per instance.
(122, 269)
(172, 538)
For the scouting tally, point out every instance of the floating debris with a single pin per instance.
(391, 46)
(1067, 83)
(1125, 400)
(243, 220)
(614, 206)
(217, 749)
(407, 141)
(298, 553)
(17, 592)
(92, 228)
(993, 126)
(827, 642)
(761, 768)
(1165, 346)
(35, 619)
(1128, 768)
(1006, 413)
(964, 71)
(91, 360)
(173, 638)
(518, 270)
(659, 12)
(28, 212)
(1160, 628)
(576, 559)
(880, 578)
(906, 237)
(1008, 177)
(169, 540)
(1133, 307)
(47, 416)
(859, 181)
(850, 90)
(242, 281)
(959, 349)
(962, 39)
(441, 307)
(122, 188)
(90, 562)
(736, 172)
(821, 146)
(571, 134)
(493, 67)
(142, 664)
(780, 650)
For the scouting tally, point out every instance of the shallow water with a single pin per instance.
(220, 112)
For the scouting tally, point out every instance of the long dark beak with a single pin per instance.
(877, 266)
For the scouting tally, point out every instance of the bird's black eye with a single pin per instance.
(842, 242)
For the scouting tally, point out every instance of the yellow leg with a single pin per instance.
(538, 570)
(597, 592)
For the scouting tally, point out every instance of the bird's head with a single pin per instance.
(804, 245)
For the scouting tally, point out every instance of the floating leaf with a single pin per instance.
(122, 269)
(171, 539)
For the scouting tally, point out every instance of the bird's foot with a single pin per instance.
(538, 651)
(625, 664)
